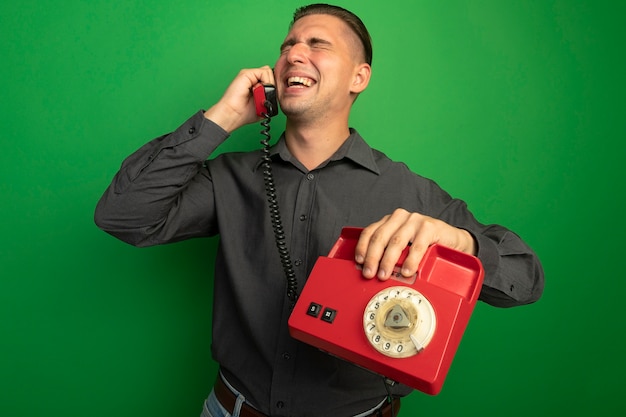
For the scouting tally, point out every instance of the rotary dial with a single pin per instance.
(399, 322)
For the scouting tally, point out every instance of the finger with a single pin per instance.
(395, 246)
(261, 75)
(383, 243)
(426, 234)
(267, 75)
(366, 249)
(413, 259)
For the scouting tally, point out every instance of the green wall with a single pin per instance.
(516, 107)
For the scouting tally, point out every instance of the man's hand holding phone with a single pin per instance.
(381, 243)
(236, 107)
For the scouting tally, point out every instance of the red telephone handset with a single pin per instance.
(265, 100)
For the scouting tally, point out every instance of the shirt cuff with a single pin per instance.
(199, 136)
(500, 288)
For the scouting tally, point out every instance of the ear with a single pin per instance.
(361, 78)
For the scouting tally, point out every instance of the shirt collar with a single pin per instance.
(354, 148)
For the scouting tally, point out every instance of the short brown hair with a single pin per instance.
(352, 20)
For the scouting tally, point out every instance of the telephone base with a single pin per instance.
(336, 312)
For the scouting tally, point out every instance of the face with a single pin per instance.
(320, 68)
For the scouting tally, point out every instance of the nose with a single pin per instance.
(297, 53)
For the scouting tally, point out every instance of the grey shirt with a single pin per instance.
(168, 191)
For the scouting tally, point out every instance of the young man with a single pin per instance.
(326, 177)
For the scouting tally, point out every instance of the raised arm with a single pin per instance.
(162, 192)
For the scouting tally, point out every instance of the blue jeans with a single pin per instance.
(213, 408)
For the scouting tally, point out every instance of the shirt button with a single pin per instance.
(303, 217)
(280, 404)
(192, 130)
(310, 176)
(297, 262)
(286, 356)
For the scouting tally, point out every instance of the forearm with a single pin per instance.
(161, 183)
(513, 273)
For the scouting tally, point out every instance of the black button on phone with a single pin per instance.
(314, 309)
(329, 315)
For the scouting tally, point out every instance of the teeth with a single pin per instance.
(307, 82)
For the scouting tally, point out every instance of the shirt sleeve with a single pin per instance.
(513, 273)
(162, 192)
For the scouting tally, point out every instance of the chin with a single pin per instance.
(295, 111)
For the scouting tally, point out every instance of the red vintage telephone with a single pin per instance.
(407, 330)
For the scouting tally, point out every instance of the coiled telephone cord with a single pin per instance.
(277, 224)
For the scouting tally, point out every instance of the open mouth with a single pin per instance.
(299, 82)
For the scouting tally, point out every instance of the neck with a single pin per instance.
(312, 144)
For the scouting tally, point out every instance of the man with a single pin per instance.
(326, 177)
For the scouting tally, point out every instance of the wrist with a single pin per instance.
(471, 246)
(225, 118)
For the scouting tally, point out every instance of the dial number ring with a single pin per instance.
(399, 322)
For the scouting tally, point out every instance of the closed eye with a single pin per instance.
(287, 45)
(317, 43)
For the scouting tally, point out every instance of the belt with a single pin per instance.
(227, 398)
